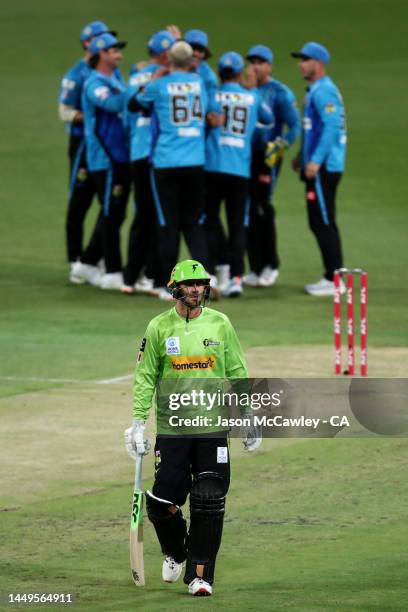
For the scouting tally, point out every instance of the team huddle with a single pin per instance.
(187, 140)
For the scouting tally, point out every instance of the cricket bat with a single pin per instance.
(136, 528)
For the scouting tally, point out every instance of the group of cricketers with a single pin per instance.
(184, 140)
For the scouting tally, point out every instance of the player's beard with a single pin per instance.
(193, 301)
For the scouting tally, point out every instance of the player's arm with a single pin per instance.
(68, 101)
(214, 117)
(146, 373)
(291, 117)
(103, 97)
(235, 364)
(331, 115)
(143, 100)
(265, 114)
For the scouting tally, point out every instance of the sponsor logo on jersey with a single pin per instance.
(137, 80)
(68, 84)
(193, 362)
(186, 88)
(173, 346)
(330, 107)
(235, 98)
(102, 92)
(208, 342)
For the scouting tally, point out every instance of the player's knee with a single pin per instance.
(207, 497)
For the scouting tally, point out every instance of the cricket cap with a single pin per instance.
(231, 63)
(181, 51)
(313, 50)
(104, 42)
(95, 28)
(160, 41)
(261, 52)
(198, 38)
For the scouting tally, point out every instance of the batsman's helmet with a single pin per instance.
(188, 270)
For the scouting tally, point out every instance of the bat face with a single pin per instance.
(136, 539)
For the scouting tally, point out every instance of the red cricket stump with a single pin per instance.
(363, 325)
(350, 324)
(337, 321)
(349, 274)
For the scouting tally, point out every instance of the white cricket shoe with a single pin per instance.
(324, 287)
(234, 288)
(86, 273)
(223, 276)
(163, 294)
(171, 570)
(268, 277)
(251, 279)
(144, 284)
(73, 278)
(199, 587)
(215, 293)
(112, 280)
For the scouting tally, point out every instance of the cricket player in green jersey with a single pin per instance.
(189, 342)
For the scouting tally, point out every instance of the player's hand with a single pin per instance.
(174, 31)
(311, 170)
(251, 437)
(78, 117)
(215, 120)
(135, 442)
(274, 151)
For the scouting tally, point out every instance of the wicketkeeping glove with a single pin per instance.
(274, 151)
(135, 442)
(251, 437)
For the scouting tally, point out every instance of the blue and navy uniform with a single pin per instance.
(324, 129)
(71, 91)
(108, 159)
(178, 104)
(138, 124)
(324, 143)
(287, 120)
(228, 148)
(142, 236)
(228, 161)
(81, 187)
(262, 239)
(106, 142)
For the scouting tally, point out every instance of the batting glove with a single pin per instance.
(251, 437)
(274, 151)
(135, 442)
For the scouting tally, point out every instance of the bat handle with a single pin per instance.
(138, 472)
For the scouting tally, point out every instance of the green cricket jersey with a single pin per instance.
(175, 352)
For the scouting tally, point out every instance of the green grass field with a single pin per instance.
(325, 528)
